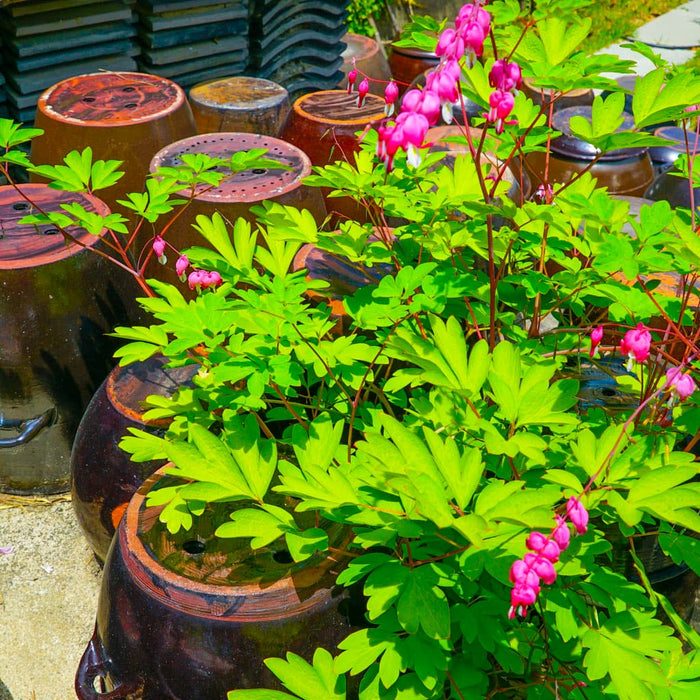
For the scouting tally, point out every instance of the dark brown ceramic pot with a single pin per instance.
(193, 616)
(239, 103)
(407, 63)
(365, 54)
(663, 157)
(57, 303)
(235, 196)
(573, 98)
(343, 278)
(121, 116)
(674, 189)
(103, 477)
(325, 125)
(626, 171)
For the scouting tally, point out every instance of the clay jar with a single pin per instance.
(343, 277)
(324, 125)
(57, 302)
(236, 194)
(239, 103)
(365, 54)
(193, 616)
(408, 62)
(624, 171)
(663, 157)
(103, 477)
(573, 98)
(121, 116)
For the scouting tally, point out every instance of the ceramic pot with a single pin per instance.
(574, 98)
(324, 125)
(367, 56)
(407, 63)
(663, 157)
(103, 477)
(343, 278)
(235, 196)
(121, 116)
(192, 616)
(239, 103)
(624, 171)
(675, 190)
(57, 303)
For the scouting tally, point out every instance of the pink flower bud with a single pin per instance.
(680, 385)
(636, 344)
(596, 337)
(195, 279)
(577, 514)
(391, 93)
(159, 249)
(211, 279)
(541, 544)
(561, 534)
(352, 77)
(541, 566)
(505, 76)
(181, 265)
(362, 90)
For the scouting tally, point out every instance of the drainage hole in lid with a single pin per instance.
(194, 546)
(50, 231)
(88, 99)
(20, 206)
(259, 171)
(128, 88)
(607, 391)
(283, 557)
(131, 105)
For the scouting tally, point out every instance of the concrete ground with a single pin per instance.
(49, 580)
(49, 583)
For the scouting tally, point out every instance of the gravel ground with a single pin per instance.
(49, 585)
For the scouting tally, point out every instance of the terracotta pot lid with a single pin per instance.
(239, 93)
(129, 386)
(247, 186)
(339, 107)
(27, 245)
(111, 99)
(572, 147)
(223, 578)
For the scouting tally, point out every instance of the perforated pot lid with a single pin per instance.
(573, 147)
(247, 186)
(111, 99)
(27, 245)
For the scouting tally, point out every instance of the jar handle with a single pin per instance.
(28, 428)
(95, 664)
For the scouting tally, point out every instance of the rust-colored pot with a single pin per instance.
(103, 477)
(627, 171)
(407, 63)
(325, 125)
(193, 616)
(121, 116)
(239, 103)
(235, 196)
(57, 303)
(365, 54)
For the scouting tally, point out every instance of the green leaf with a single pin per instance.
(422, 603)
(303, 545)
(310, 682)
(261, 526)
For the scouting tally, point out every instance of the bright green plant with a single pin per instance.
(445, 426)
